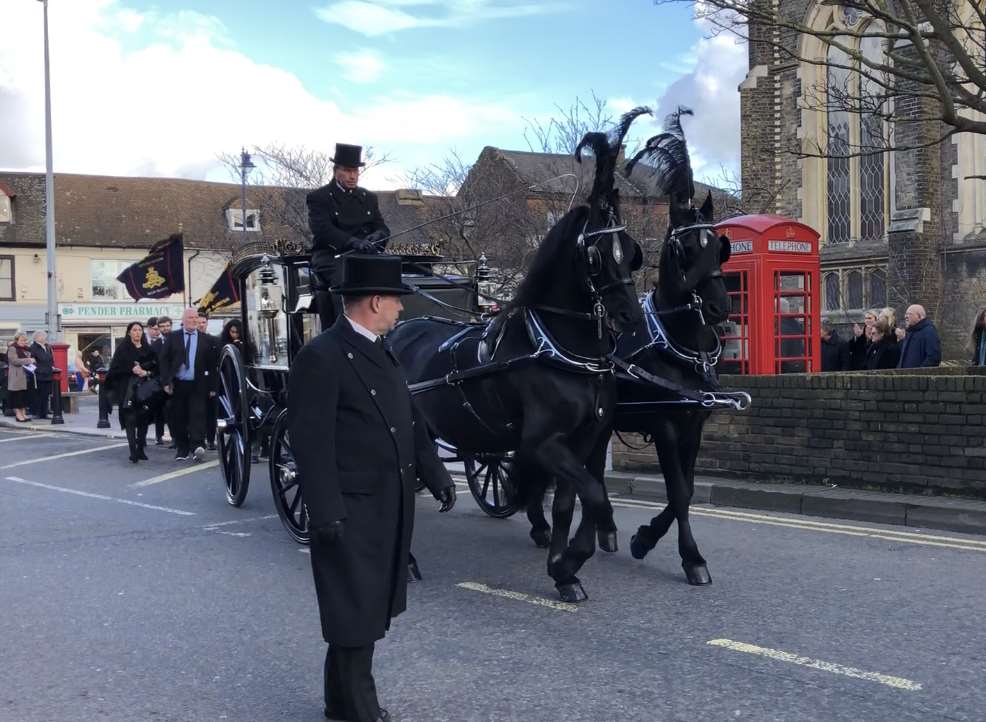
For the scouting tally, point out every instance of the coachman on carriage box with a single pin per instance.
(360, 446)
(344, 218)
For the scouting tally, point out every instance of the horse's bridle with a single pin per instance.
(677, 249)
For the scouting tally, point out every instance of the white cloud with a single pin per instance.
(364, 66)
(380, 17)
(168, 104)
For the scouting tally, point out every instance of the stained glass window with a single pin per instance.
(833, 301)
(878, 288)
(854, 289)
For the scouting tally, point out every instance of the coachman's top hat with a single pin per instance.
(348, 156)
(371, 276)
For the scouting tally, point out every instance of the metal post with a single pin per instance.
(56, 397)
(105, 407)
(53, 330)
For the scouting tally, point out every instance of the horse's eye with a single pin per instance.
(617, 250)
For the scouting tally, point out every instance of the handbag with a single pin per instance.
(147, 388)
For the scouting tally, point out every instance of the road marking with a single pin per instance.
(305, 551)
(971, 545)
(235, 533)
(519, 597)
(218, 524)
(175, 474)
(90, 495)
(778, 655)
(21, 436)
(62, 456)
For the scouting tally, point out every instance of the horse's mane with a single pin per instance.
(558, 245)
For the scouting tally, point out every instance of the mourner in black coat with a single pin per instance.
(884, 352)
(360, 446)
(190, 386)
(134, 362)
(344, 218)
(45, 362)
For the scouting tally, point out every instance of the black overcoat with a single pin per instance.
(359, 445)
(335, 216)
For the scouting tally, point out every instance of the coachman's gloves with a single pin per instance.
(331, 533)
(363, 245)
(447, 497)
(376, 237)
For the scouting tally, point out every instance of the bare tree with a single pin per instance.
(912, 71)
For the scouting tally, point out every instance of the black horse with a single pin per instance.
(667, 363)
(538, 380)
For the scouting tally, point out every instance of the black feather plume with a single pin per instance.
(668, 156)
(606, 149)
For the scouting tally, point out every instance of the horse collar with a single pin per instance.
(545, 345)
(704, 362)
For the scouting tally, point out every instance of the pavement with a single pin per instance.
(135, 593)
(922, 512)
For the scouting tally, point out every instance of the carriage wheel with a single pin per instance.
(234, 425)
(489, 481)
(284, 483)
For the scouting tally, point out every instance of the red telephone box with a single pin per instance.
(774, 280)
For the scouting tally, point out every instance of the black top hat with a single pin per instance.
(348, 156)
(372, 275)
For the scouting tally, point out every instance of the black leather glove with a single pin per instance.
(377, 236)
(362, 245)
(447, 497)
(331, 533)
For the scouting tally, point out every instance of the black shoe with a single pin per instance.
(384, 716)
(181, 456)
(134, 459)
(198, 454)
(159, 441)
(141, 455)
(211, 446)
(336, 713)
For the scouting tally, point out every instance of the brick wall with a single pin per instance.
(916, 431)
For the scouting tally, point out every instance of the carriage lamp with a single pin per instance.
(267, 275)
(483, 269)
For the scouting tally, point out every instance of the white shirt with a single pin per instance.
(362, 330)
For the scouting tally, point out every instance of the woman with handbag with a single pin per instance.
(130, 381)
(20, 377)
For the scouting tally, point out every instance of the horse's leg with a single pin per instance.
(540, 531)
(692, 561)
(647, 536)
(564, 567)
(561, 564)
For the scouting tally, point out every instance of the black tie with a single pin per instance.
(188, 343)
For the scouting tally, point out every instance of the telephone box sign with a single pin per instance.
(741, 247)
(789, 246)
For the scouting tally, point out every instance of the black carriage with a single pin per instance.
(278, 316)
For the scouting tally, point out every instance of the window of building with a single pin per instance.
(854, 289)
(833, 300)
(234, 219)
(6, 209)
(105, 287)
(856, 172)
(7, 288)
(878, 288)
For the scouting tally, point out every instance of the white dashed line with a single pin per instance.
(103, 497)
(832, 667)
(22, 437)
(175, 474)
(62, 456)
(519, 597)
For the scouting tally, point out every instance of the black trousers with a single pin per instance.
(210, 420)
(136, 428)
(329, 304)
(188, 416)
(160, 416)
(39, 404)
(349, 685)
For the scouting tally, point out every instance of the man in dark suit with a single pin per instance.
(43, 374)
(155, 339)
(359, 445)
(344, 218)
(210, 407)
(189, 378)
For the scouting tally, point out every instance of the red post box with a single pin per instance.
(774, 280)
(59, 352)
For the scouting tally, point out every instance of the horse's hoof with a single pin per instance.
(697, 574)
(572, 592)
(638, 548)
(607, 541)
(541, 537)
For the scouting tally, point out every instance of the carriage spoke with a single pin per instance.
(294, 504)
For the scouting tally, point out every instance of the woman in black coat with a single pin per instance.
(232, 333)
(884, 351)
(134, 361)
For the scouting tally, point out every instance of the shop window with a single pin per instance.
(7, 287)
(878, 288)
(234, 219)
(833, 298)
(105, 287)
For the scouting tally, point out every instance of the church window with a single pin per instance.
(833, 302)
(878, 288)
(854, 289)
(839, 219)
(871, 166)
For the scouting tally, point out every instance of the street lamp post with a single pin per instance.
(245, 166)
(53, 330)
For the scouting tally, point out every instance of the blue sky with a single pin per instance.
(159, 88)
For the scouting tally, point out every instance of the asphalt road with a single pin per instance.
(161, 603)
